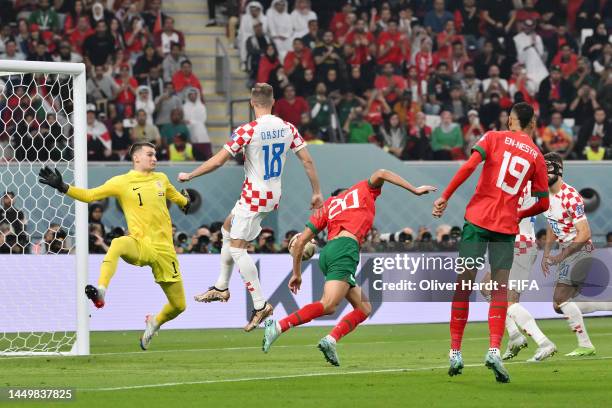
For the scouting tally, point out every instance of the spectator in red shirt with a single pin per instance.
(137, 37)
(82, 31)
(268, 63)
(339, 25)
(425, 59)
(377, 107)
(390, 85)
(184, 78)
(445, 41)
(567, 60)
(72, 17)
(392, 46)
(359, 38)
(298, 60)
(126, 95)
(291, 107)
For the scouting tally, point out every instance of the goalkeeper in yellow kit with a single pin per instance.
(142, 194)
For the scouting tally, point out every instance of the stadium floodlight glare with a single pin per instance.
(43, 121)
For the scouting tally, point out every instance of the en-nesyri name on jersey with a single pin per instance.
(511, 159)
(265, 143)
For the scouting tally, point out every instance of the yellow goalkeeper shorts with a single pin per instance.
(161, 258)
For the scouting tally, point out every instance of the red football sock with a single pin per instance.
(497, 316)
(460, 311)
(304, 315)
(348, 323)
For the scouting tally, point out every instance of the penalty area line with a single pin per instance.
(316, 374)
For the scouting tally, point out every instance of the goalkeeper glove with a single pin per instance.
(185, 208)
(52, 178)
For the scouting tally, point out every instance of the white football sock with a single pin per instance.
(227, 262)
(101, 292)
(576, 323)
(513, 331)
(590, 307)
(525, 321)
(330, 339)
(248, 271)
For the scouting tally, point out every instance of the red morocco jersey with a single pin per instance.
(511, 159)
(353, 210)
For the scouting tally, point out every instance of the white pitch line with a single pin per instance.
(307, 375)
(197, 350)
(144, 353)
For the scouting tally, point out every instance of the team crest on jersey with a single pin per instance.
(579, 210)
(159, 184)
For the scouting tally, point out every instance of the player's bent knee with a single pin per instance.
(120, 245)
(180, 307)
(328, 308)
(366, 308)
(237, 253)
(557, 308)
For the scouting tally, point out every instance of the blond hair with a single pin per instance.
(262, 95)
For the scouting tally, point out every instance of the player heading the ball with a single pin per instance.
(142, 194)
(348, 216)
(265, 143)
(511, 159)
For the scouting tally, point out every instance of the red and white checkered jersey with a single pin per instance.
(265, 143)
(526, 236)
(565, 211)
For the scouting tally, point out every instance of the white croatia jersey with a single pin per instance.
(565, 211)
(526, 236)
(265, 143)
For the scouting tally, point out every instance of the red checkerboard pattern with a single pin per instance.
(256, 201)
(297, 143)
(571, 213)
(523, 243)
(241, 137)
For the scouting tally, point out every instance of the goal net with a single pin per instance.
(43, 234)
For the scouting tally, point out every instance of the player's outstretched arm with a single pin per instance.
(539, 207)
(298, 251)
(54, 179)
(378, 178)
(182, 199)
(208, 166)
(464, 172)
(311, 172)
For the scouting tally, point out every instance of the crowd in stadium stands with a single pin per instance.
(424, 79)
(140, 84)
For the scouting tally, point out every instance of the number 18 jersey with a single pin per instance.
(511, 159)
(265, 143)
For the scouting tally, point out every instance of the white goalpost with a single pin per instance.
(43, 234)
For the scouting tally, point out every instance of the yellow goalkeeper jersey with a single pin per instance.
(143, 200)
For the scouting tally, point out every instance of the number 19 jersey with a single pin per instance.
(511, 159)
(265, 143)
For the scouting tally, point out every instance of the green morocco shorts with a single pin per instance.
(339, 259)
(475, 240)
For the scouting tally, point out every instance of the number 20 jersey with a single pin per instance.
(511, 159)
(353, 210)
(265, 143)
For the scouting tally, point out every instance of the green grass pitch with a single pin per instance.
(381, 366)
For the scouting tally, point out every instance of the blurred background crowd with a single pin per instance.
(423, 79)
